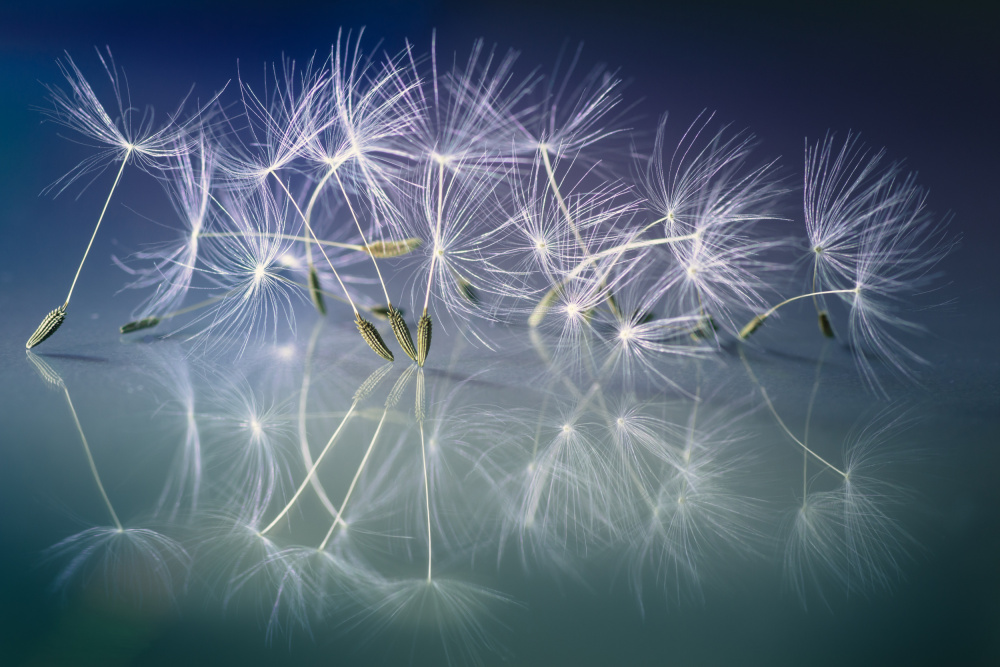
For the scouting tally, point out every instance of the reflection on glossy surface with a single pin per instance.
(331, 494)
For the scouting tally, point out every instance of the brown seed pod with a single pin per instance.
(752, 326)
(824, 324)
(373, 337)
(385, 249)
(467, 290)
(137, 325)
(315, 292)
(402, 333)
(48, 327)
(423, 339)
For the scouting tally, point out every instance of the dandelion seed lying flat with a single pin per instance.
(388, 249)
(138, 325)
(315, 293)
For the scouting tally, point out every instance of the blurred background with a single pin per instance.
(921, 79)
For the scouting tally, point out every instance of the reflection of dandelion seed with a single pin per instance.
(133, 561)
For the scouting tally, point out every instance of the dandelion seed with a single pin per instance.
(402, 332)
(824, 324)
(315, 293)
(423, 338)
(48, 327)
(83, 112)
(138, 325)
(372, 337)
(388, 249)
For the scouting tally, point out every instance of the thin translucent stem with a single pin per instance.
(363, 239)
(321, 249)
(90, 460)
(771, 310)
(309, 210)
(437, 235)
(286, 237)
(544, 150)
(104, 210)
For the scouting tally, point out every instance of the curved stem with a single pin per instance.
(309, 210)
(770, 405)
(770, 311)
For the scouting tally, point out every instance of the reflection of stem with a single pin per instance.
(427, 501)
(390, 402)
(315, 465)
(338, 520)
(90, 460)
(809, 410)
(303, 430)
(770, 405)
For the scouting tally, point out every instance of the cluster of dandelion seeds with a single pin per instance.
(505, 217)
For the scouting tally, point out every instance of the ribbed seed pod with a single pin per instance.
(752, 326)
(48, 327)
(137, 325)
(386, 249)
(315, 292)
(423, 339)
(467, 290)
(373, 337)
(402, 333)
(824, 324)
